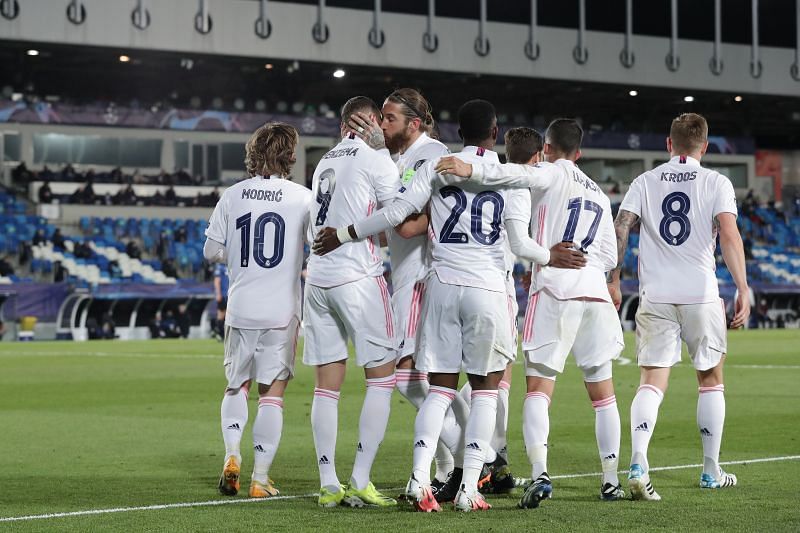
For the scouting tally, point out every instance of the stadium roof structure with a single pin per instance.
(104, 58)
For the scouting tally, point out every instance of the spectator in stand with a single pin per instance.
(168, 268)
(114, 271)
(170, 198)
(180, 234)
(183, 177)
(115, 176)
(82, 250)
(45, 193)
(6, 269)
(198, 180)
(162, 247)
(21, 174)
(68, 173)
(57, 239)
(133, 250)
(183, 321)
(157, 199)
(45, 174)
(59, 272)
(213, 197)
(197, 201)
(108, 199)
(39, 237)
(126, 196)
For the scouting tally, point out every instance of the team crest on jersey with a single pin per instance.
(327, 182)
(419, 164)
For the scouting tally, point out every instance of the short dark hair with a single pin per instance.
(688, 132)
(476, 119)
(363, 104)
(565, 135)
(522, 143)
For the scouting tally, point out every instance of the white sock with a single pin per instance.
(452, 436)
(644, 413)
(608, 432)
(499, 440)
(413, 385)
(427, 428)
(477, 434)
(372, 427)
(234, 418)
(710, 422)
(267, 429)
(535, 430)
(444, 461)
(324, 426)
(466, 393)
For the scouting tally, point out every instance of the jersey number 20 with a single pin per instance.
(243, 224)
(476, 217)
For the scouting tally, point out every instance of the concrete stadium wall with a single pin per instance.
(108, 23)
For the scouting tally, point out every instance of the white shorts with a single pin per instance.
(360, 310)
(661, 327)
(513, 312)
(590, 329)
(407, 305)
(261, 354)
(463, 328)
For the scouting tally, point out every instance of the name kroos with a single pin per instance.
(678, 177)
(261, 194)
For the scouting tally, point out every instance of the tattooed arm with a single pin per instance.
(622, 226)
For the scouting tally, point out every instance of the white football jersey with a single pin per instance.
(350, 182)
(467, 241)
(263, 223)
(564, 205)
(409, 256)
(677, 203)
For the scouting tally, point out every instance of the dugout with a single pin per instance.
(132, 308)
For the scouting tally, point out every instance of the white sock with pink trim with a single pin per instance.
(427, 428)
(477, 434)
(710, 422)
(372, 427)
(535, 430)
(267, 429)
(607, 430)
(644, 413)
(413, 385)
(324, 426)
(233, 413)
(499, 440)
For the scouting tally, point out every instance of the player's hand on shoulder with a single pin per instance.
(325, 242)
(453, 166)
(368, 130)
(564, 255)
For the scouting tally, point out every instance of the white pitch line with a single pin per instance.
(116, 355)
(211, 503)
(766, 367)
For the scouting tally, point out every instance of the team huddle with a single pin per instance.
(455, 225)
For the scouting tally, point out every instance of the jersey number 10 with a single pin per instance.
(243, 224)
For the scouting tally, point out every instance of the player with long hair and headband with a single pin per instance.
(405, 130)
(681, 208)
(258, 229)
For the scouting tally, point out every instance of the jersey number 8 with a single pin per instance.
(243, 223)
(675, 215)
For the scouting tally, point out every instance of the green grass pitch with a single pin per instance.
(103, 425)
